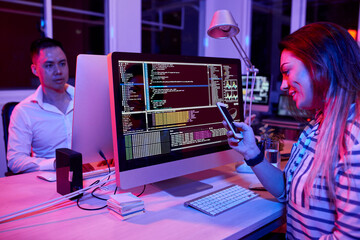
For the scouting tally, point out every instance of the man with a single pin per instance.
(42, 122)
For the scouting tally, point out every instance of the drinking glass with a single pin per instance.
(272, 153)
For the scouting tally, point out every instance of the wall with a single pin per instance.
(8, 96)
(124, 25)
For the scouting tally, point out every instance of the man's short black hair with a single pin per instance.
(42, 43)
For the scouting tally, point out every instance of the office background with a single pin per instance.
(153, 26)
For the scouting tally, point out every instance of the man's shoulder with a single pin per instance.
(29, 100)
(27, 103)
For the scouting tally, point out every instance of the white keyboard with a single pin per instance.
(224, 199)
(97, 173)
(51, 176)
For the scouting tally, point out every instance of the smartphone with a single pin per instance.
(229, 120)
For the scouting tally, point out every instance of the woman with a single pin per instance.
(320, 65)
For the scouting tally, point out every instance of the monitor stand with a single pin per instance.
(182, 186)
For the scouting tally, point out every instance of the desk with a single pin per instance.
(165, 217)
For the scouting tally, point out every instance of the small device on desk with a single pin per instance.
(126, 205)
(68, 171)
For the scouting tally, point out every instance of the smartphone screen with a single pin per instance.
(228, 118)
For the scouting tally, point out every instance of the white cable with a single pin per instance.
(54, 201)
(48, 203)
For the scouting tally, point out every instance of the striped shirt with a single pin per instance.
(321, 218)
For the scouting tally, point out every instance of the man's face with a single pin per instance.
(52, 69)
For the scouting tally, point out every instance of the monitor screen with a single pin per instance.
(164, 115)
(283, 108)
(261, 94)
(92, 123)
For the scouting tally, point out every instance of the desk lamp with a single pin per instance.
(224, 26)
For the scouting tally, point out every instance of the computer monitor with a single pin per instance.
(283, 107)
(287, 109)
(164, 116)
(92, 123)
(261, 94)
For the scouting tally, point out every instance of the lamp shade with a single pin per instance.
(223, 25)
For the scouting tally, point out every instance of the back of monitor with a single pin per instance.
(92, 122)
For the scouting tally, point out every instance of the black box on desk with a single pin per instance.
(68, 171)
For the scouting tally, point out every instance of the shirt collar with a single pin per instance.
(39, 94)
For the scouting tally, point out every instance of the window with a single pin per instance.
(23, 25)
(170, 27)
(345, 13)
(79, 25)
(270, 23)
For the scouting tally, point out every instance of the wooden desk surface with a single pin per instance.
(166, 216)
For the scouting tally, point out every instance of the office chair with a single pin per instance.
(5, 114)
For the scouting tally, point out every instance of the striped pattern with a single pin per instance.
(318, 217)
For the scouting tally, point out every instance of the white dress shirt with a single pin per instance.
(36, 130)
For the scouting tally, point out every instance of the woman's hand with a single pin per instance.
(246, 146)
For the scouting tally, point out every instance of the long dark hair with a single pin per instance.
(332, 58)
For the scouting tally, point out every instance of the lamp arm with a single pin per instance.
(242, 53)
(250, 69)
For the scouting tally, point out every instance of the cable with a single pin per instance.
(103, 156)
(90, 209)
(53, 201)
(92, 193)
(108, 165)
(68, 196)
(100, 198)
(142, 191)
